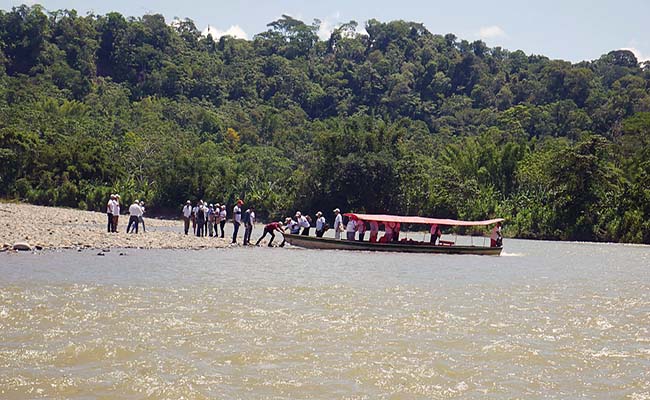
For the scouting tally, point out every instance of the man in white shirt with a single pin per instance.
(320, 224)
(223, 216)
(134, 219)
(338, 223)
(116, 212)
(109, 213)
(187, 213)
(305, 224)
(293, 226)
(236, 219)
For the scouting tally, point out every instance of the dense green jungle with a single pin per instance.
(395, 119)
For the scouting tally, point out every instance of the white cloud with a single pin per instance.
(235, 31)
(491, 32)
(640, 57)
(325, 30)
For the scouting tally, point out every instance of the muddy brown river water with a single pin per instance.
(545, 320)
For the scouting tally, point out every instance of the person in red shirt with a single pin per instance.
(270, 229)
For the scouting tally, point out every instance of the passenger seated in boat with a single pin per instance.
(384, 239)
(396, 228)
(388, 231)
(374, 230)
(361, 229)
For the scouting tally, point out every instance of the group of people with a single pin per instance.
(136, 213)
(207, 219)
(301, 224)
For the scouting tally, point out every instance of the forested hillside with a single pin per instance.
(400, 120)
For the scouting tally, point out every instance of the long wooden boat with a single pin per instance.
(311, 242)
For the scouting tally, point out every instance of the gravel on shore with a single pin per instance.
(62, 228)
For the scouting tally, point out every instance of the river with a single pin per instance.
(544, 320)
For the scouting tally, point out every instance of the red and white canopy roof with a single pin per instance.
(421, 220)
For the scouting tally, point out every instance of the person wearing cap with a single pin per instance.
(223, 216)
(292, 225)
(236, 219)
(305, 224)
(134, 217)
(338, 224)
(141, 218)
(109, 213)
(320, 224)
(116, 212)
(249, 221)
(270, 228)
(187, 214)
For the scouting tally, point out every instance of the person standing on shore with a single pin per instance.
(116, 212)
(338, 224)
(236, 219)
(142, 217)
(249, 221)
(195, 209)
(320, 224)
(187, 214)
(200, 219)
(109, 213)
(211, 220)
(134, 217)
(270, 228)
(223, 217)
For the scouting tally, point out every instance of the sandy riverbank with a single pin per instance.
(60, 228)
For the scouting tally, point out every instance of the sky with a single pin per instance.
(573, 30)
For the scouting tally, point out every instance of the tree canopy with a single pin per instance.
(396, 120)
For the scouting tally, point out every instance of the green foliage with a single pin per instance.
(397, 120)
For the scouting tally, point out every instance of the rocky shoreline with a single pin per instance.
(30, 227)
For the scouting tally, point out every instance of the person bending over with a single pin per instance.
(270, 228)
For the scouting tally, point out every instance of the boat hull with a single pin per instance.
(311, 242)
